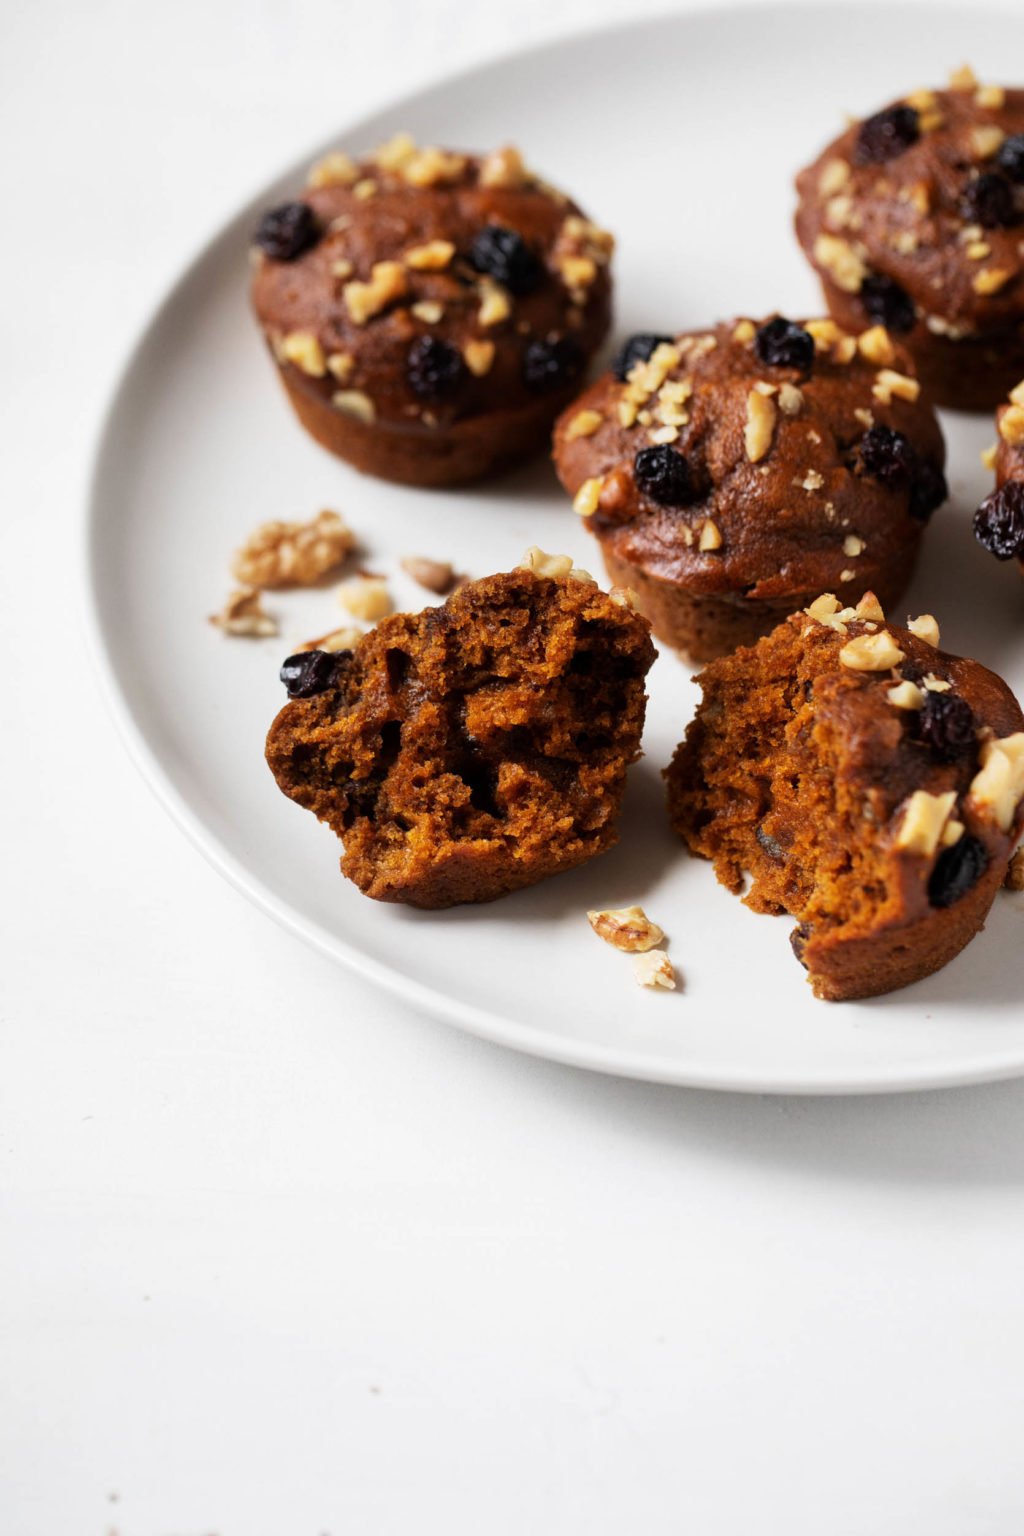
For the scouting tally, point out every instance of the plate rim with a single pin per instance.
(528, 1039)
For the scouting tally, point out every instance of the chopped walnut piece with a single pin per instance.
(577, 271)
(760, 425)
(999, 784)
(503, 168)
(587, 498)
(790, 399)
(834, 176)
(365, 597)
(871, 653)
(1011, 426)
(344, 639)
(1017, 394)
(243, 614)
(495, 304)
(963, 79)
(710, 537)
(432, 167)
(978, 250)
(1015, 872)
(427, 310)
(393, 154)
(988, 456)
(353, 402)
(852, 545)
(479, 356)
(923, 819)
(842, 261)
(870, 608)
(825, 333)
(342, 268)
(436, 575)
(654, 969)
(986, 139)
(905, 695)
(876, 346)
(625, 597)
(365, 188)
(626, 928)
(434, 256)
(925, 628)
(543, 564)
(583, 424)
(341, 365)
(388, 283)
(744, 331)
(991, 97)
(334, 170)
(889, 385)
(280, 554)
(991, 279)
(304, 350)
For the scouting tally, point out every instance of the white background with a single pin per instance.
(278, 1257)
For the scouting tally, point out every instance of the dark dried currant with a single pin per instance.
(999, 521)
(886, 135)
(288, 230)
(956, 870)
(928, 491)
(887, 303)
(434, 369)
(798, 941)
(552, 363)
(308, 672)
(781, 343)
(887, 455)
(945, 723)
(637, 349)
(1010, 158)
(989, 201)
(769, 846)
(664, 475)
(504, 255)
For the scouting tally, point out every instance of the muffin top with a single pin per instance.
(999, 521)
(421, 286)
(920, 209)
(768, 459)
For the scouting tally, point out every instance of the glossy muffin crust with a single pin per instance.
(430, 312)
(913, 218)
(870, 784)
(732, 475)
(475, 748)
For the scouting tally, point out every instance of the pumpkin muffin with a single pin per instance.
(999, 521)
(430, 312)
(869, 783)
(913, 218)
(473, 748)
(732, 475)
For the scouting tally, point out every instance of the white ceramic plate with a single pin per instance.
(682, 135)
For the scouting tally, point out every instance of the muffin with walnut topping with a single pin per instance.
(732, 475)
(999, 521)
(430, 312)
(914, 218)
(871, 785)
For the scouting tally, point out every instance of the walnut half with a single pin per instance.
(282, 554)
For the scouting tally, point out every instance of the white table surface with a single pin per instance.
(280, 1258)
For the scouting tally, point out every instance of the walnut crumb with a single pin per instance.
(434, 256)
(986, 139)
(353, 402)
(790, 400)
(479, 356)
(890, 385)
(876, 346)
(432, 167)
(436, 575)
(999, 785)
(587, 498)
(760, 425)
(963, 79)
(991, 279)
(388, 283)
(626, 928)
(843, 262)
(710, 537)
(555, 566)
(303, 349)
(341, 365)
(654, 969)
(280, 554)
(923, 820)
(1011, 425)
(334, 170)
(243, 614)
(495, 304)
(344, 639)
(871, 653)
(925, 628)
(430, 311)
(905, 695)
(503, 168)
(365, 597)
(583, 424)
